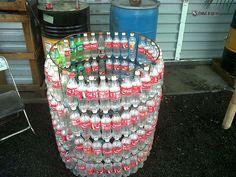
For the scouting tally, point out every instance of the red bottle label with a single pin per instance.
(126, 167)
(116, 125)
(87, 46)
(106, 126)
(142, 115)
(117, 170)
(141, 50)
(56, 84)
(104, 94)
(126, 91)
(134, 142)
(97, 151)
(109, 66)
(126, 122)
(146, 85)
(124, 67)
(117, 150)
(154, 79)
(136, 89)
(141, 137)
(91, 95)
(79, 147)
(75, 122)
(151, 109)
(82, 167)
(85, 125)
(87, 150)
(95, 68)
(70, 92)
(93, 46)
(124, 45)
(116, 45)
(107, 152)
(134, 119)
(117, 67)
(96, 126)
(126, 147)
(88, 69)
(108, 45)
(115, 95)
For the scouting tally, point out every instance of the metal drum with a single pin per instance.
(140, 19)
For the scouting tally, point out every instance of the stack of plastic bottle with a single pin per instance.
(104, 95)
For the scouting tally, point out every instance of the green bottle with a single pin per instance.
(79, 48)
(57, 56)
(73, 49)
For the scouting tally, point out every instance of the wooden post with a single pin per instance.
(230, 113)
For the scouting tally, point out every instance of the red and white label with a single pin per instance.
(141, 137)
(126, 167)
(56, 84)
(70, 91)
(117, 67)
(141, 50)
(82, 167)
(142, 115)
(154, 79)
(91, 95)
(136, 89)
(61, 112)
(106, 126)
(124, 67)
(117, 170)
(88, 69)
(126, 91)
(99, 171)
(116, 45)
(126, 122)
(97, 151)
(104, 94)
(151, 109)
(149, 55)
(93, 46)
(85, 125)
(140, 158)
(79, 147)
(115, 95)
(96, 126)
(87, 46)
(117, 150)
(90, 171)
(133, 164)
(124, 45)
(75, 122)
(134, 142)
(126, 147)
(79, 94)
(54, 106)
(107, 152)
(148, 133)
(109, 66)
(116, 125)
(87, 150)
(67, 53)
(95, 68)
(134, 119)
(108, 44)
(146, 85)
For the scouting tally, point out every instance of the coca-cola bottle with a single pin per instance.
(85, 125)
(117, 151)
(91, 94)
(117, 166)
(97, 151)
(81, 166)
(75, 123)
(126, 123)
(141, 51)
(124, 46)
(64, 79)
(154, 80)
(106, 126)
(95, 68)
(89, 169)
(79, 147)
(116, 66)
(96, 126)
(146, 84)
(88, 69)
(124, 67)
(99, 169)
(93, 46)
(148, 51)
(126, 91)
(126, 145)
(132, 47)
(107, 151)
(141, 159)
(67, 53)
(71, 91)
(87, 150)
(109, 67)
(116, 126)
(79, 47)
(134, 143)
(115, 94)
(116, 45)
(86, 44)
(134, 119)
(80, 91)
(103, 91)
(141, 136)
(136, 89)
(56, 85)
(143, 111)
(108, 45)
(101, 45)
(133, 164)
(126, 167)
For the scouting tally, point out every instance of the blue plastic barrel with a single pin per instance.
(140, 19)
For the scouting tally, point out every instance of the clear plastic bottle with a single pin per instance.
(134, 119)
(96, 127)
(64, 79)
(141, 51)
(126, 123)
(86, 44)
(136, 89)
(73, 49)
(108, 168)
(99, 169)
(56, 85)
(124, 66)
(75, 123)
(142, 114)
(93, 46)
(116, 46)
(134, 143)
(71, 91)
(85, 125)
(148, 50)
(117, 151)
(133, 164)
(81, 166)
(116, 66)
(154, 80)
(126, 167)
(115, 94)
(116, 126)
(80, 92)
(117, 166)
(90, 169)
(132, 47)
(103, 91)
(126, 145)
(108, 45)
(91, 93)
(87, 150)
(97, 151)
(107, 151)
(101, 45)
(146, 84)
(67, 53)
(79, 147)
(109, 67)
(95, 68)
(106, 127)
(141, 136)
(124, 46)
(126, 92)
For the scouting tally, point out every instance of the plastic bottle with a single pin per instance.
(117, 151)
(93, 46)
(115, 94)
(141, 51)
(126, 123)
(136, 89)
(101, 45)
(126, 92)
(99, 170)
(132, 47)
(124, 46)
(124, 66)
(71, 91)
(75, 123)
(116, 126)
(126, 167)
(79, 48)
(87, 150)
(154, 80)
(79, 147)
(95, 68)
(116, 45)
(109, 67)
(56, 85)
(116, 66)
(107, 151)
(73, 49)
(81, 166)
(134, 119)
(117, 166)
(103, 91)
(96, 126)
(86, 44)
(106, 127)
(126, 145)
(133, 164)
(141, 137)
(67, 53)
(108, 45)
(91, 93)
(97, 151)
(134, 143)
(142, 114)
(64, 80)
(146, 84)
(80, 91)
(108, 169)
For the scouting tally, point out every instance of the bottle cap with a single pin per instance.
(146, 68)
(65, 40)
(137, 73)
(105, 111)
(92, 34)
(91, 78)
(108, 33)
(132, 34)
(123, 34)
(64, 72)
(142, 38)
(85, 35)
(116, 33)
(81, 78)
(102, 77)
(113, 78)
(71, 38)
(71, 75)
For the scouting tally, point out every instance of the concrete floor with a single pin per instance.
(179, 79)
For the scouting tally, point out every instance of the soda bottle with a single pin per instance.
(150, 52)
(131, 67)
(79, 147)
(95, 68)
(147, 49)
(142, 114)
(146, 84)
(133, 164)
(124, 46)
(108, 45)
(106, 126)
(132, 47)
(97, 151)
(64, 79)
(86, 45)
(75, 123)
(108, 168)
(126, 123)
(134, 119)
(81, 166)
(90, 169)
(73, 49)
(79, 48)
(91, 93)
(116, 126)
(117, 151)
(57, 56)
(126, 167)
(116, 66)
(134, 143)
(93, 46)
(103, 91)
(148, 133)
(109, 67)
(117, 166)
(99, 169)
(71, 91)
(126, 145)
(154, 80)
(61, 111)
(136, 89)
(151, 106)
(141, 159)
(81, 88)
(115, 94)
(88, 69)
(116, 46)
(85, 125)
(101, 45)
(56, 85)
(67, 53)
(141, 51)
(96, 126)
(126, 92)
(87, 150)
(107, 151)
(124, 66)
(141, 137)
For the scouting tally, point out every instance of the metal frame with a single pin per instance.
(26, 116)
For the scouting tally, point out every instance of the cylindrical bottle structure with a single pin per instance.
(104, 101)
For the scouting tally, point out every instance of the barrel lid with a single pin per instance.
(64, 6)
(145, 4)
